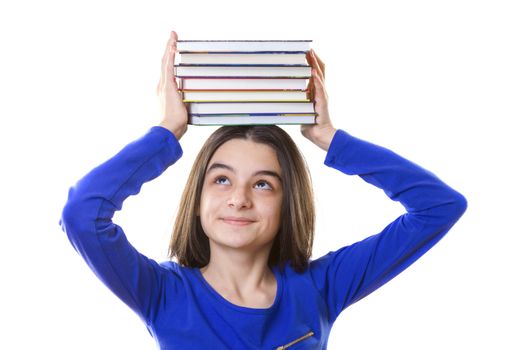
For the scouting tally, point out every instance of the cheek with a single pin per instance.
(272, 210)
(204, 211)
(210, 202)
(205, 203)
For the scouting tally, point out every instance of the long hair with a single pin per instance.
(293, 242)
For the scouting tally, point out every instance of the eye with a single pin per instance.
(222, 180)
(263, 185)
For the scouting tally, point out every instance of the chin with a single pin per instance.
(235, 242)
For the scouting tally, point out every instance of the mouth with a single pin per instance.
(237, 221)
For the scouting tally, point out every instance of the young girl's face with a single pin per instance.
(241, 199)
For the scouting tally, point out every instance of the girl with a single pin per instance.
(243, 237)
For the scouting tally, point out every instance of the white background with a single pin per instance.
(439, 82)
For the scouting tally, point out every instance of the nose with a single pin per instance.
(239, 198)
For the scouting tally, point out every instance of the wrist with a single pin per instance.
(177, 130)
(323, 137)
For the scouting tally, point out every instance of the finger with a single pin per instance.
(317, 65)
(310, 87)
(175, 42)
(167, 50)
(310, 90)
(162, 67)
(168, 66)
(317, 58)
(174, 82)
(320, 62)
(167, 57)
(174, 37)
(319, 87)
(308, 57)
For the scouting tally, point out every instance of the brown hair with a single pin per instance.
(293, 242)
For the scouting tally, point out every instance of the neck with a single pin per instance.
(238, 271)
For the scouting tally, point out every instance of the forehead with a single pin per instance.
(243, 153)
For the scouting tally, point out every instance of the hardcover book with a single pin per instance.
(243, 95)
(248, 119)
(210, 58)
(243, 45)
(243, 71)
(250, 107)
(240, 83)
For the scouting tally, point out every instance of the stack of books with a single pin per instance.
(243, 82)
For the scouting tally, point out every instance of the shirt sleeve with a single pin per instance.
(87, 219)
(432, 208)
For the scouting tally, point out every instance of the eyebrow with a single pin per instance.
(259, 172)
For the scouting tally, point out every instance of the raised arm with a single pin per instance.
(432, 208)
(87, 218)
(349, 274)
(87, 215)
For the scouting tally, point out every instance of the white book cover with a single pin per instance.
(250, 107)
(244, 45)
(243, 84)
(243, 58)
(251, 120)
(211, 96)
(243, 71)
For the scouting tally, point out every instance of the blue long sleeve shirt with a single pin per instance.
(182, 311)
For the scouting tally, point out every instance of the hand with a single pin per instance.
(171, 102)
(323, 131)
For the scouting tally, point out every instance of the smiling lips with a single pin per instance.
(238, 221)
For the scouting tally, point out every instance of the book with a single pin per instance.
(248, 119)
(250, 107)
(245, 82)
(240, 83)
(243, 71)
(242, 95)
(210, 58)
(243, 45)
